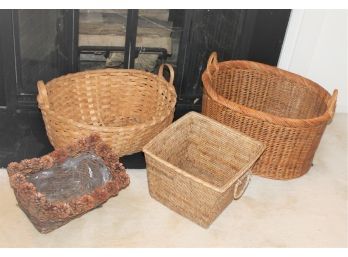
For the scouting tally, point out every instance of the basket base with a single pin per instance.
(281, 175)
(47, 226)
(205, 223)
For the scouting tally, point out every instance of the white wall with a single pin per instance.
(315, 46)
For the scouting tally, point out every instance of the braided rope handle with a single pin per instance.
(171, 72)
(42, 97)
(212, 64)
(241, 185)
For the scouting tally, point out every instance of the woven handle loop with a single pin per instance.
(42, 97)
(241, 185)
(212, 64)
(171, 72)
(331, 106)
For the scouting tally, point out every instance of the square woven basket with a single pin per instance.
(197, 166)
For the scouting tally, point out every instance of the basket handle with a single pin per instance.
(42, 97)
(241, 185)
(332, 104)
(171, 71)
(212, 64)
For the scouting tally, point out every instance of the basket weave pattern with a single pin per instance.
(283, 110)
(127, 108)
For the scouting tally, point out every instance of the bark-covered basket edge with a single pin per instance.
(47, 216)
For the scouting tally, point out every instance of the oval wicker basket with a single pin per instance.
(127, 108)
(283, 110)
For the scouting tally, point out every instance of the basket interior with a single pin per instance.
(206, 150)
(270, 93)
(74, 177)
(110, 97)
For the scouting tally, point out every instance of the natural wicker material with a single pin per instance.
(49, 215)
(197, 166)
(127, 108)
(283, 110)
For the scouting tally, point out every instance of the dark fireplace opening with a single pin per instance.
(45, 44)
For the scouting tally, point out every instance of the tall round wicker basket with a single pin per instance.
(127, 108)
(285, 111)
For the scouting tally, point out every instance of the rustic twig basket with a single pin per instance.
(47, 215)
(283, 110)
(127, 108)
(197, 166)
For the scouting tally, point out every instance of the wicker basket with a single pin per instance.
(197, 166)
(283, 110)
(127, 108)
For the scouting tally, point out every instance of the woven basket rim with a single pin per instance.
(154, 120)
(194, 115)
(330, 101)
(110, 70)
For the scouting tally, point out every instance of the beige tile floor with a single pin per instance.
(307, 212)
